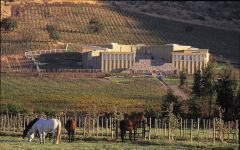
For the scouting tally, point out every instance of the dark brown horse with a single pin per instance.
(71, 126)
(130, 125)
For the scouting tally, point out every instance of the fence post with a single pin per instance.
(213, 130)
(2, 121)
(198, 122)
(4, 124)
(14, 122)
(228, 130)
(204, 128)
(180, 127)
(150, 125)
(11, 121)
(8, 123)
(236, 133)
(169, 130)
(191, 128)
(84, 126)
(102, 125)
(116, 130)
(89, 125)
(107, 126)
(93, 126)
(165, 128)
(97, 125)
(159, 127)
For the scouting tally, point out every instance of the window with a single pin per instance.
(128, 56)
(132, 56)
(199, 58)
(202, 57)
(186, 57)
(124, 57)
(104, 56)
(190, 57)
(178, 57)
(120, 56)
(194, 58)
(182, 58)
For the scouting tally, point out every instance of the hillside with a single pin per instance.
(122, 26)
(217, 14)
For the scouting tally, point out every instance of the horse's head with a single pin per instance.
(141, 117)
(30, 135)
(28, 127)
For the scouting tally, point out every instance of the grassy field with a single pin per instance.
(81, 94)
(9, 143)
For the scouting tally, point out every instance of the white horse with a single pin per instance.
(44, 126)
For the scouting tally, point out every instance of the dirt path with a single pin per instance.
(178, 92)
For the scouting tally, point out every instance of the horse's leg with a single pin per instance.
(130, 135)
(41, 137)
(69, 136)
(72, 136)
(122, 134)
(53, 135)
(44, 135)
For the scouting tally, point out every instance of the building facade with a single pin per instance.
(117, 58)
(190, 59)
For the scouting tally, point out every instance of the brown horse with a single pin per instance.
(130, 125)
(71, 126)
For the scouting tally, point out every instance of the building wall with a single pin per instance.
(116, 61)
(190, 61)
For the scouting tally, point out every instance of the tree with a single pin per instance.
(95, 26)
(196, 88)
(228, 92)
(8, 24)
(170, 97)
(208, 83)
(182, 78)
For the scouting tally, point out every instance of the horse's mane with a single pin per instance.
(29, 126)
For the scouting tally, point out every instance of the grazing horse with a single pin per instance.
(130, 125)
(70, 126)
(43, 126)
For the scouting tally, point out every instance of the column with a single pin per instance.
(118, 64)
(177, 61)
(114, 61)
(130, 60)
(122, 61)
(192, 65)
(180, 61)
(102, 63)
(106, 64)
(189, 65)
(110, 61)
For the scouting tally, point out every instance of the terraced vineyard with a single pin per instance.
(120, 26)
(81, 94)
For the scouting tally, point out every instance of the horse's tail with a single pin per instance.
(58, 132)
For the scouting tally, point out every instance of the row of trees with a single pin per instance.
(212, 89)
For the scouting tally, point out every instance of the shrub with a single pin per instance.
(8, 24)
(53, 32)
(95, 26)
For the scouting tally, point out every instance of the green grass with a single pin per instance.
(10, 143)
(80, 94)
